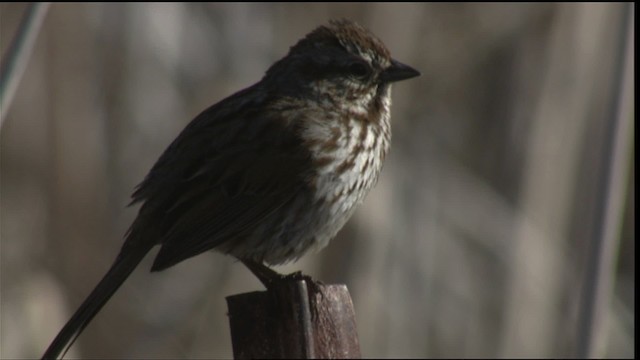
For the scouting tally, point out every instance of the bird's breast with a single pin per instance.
(347, 154)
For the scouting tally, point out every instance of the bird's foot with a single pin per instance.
(270, 278)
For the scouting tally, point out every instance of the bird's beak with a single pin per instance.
(398, 71)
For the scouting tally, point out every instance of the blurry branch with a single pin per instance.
(573, 103)
(603, 251)
(15, 61)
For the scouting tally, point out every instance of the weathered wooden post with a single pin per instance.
(294, 319)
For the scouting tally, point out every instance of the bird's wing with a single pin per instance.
(219, 181)
(248, 194)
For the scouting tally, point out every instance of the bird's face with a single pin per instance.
(351, 80)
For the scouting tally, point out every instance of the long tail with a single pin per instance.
(117, 274)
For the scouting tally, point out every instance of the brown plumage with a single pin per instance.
(269, 172)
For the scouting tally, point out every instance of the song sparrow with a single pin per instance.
(269, 172)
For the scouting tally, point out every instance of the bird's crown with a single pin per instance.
(350, 36)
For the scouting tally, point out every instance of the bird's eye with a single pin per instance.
(359, 69)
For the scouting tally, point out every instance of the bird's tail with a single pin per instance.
(117, 274)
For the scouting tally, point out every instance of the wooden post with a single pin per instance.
(291, 321)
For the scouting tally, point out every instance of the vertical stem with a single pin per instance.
(18, 53)
(603, 250)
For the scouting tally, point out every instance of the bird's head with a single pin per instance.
(342, 63)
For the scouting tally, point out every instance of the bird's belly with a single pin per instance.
(336, 208)
(314, 218)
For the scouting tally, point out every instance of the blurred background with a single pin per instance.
(502, 224)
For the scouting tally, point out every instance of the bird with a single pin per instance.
(268, 173)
